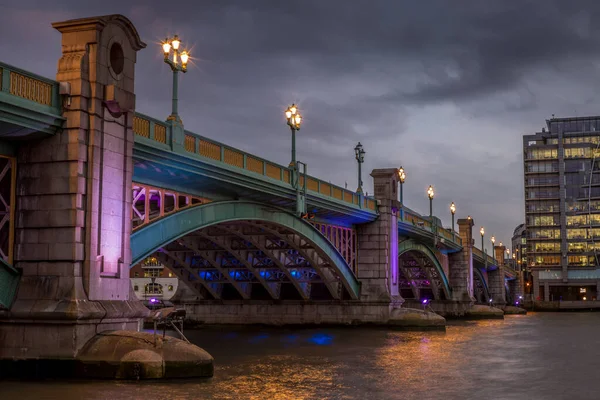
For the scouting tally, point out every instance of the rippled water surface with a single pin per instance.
(539, 356)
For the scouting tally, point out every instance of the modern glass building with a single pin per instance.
(519, 257)
(562, 209)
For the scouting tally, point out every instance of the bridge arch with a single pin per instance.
(420, 272)
(480, 287)
(241, 246)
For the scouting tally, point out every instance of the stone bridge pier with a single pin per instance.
(496, 278)
(73, 222)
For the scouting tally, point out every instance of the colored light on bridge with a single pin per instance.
(425, 301)
(294, 272)
(490, 300)
(153, 300)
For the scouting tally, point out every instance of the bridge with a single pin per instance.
(91, 187)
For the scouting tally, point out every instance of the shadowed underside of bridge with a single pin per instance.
(420, 274)
(480, 287)
(245, 250)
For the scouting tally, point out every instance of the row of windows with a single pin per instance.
(543, 220)
(543, 166)
(579, 206)
(153, 288)
(540, 154)
(570, 152)
(152, 273)
(580, 125)
(578, 261)
(542, 193)
(575, 220)
(542, 180)
(572, 247)
(543, 206)
(579, 233)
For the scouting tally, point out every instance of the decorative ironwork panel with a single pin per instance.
(337, 193)
(30, 89)
(344, 240)
(325, 189)
(312, 184)
(150, 203)
(273, 171)
(286, 175)
(141, 126)
(234, 158)
(210, 150)
(190, 143)
(254, 164)
(348, 197)
(7, 201)
(160, 133)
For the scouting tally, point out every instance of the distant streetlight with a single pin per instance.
(294, 120)
(452, 211)
(482, 231)
(401, 178)
(172, 58)
(430, 194)
(359, 152)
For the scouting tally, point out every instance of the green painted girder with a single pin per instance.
(235, 180)
(478, 272)
(9, 282)
(150, 238)
(21, 118)
(412, 245)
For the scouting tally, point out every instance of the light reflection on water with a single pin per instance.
(538, 356)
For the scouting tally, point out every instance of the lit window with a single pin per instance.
(170, 287)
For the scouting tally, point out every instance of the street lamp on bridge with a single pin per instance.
(430, 194)
(493, 239)
(359, 152)
(452, 211)
(294, 120)
(173, 56)
(482, 231)
(401, 178)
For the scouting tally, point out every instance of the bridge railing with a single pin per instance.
(200, 146)
(33, 88)
(410, 217)
(478, 253)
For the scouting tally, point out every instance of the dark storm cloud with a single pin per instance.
(445, 88)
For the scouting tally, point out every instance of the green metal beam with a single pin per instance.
(411, 245)
(9, 282)
(164, 231)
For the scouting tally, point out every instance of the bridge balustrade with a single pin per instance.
(200, 146)
(29, 86)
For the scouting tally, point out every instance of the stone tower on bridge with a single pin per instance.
(74, 202)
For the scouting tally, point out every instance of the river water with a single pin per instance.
(542, 356)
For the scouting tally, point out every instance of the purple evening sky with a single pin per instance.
(444, 88)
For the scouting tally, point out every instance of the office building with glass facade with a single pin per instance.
(562, 209)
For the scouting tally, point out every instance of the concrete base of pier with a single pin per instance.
(512, 310)
(478, 311)
(323, 313)
(119, 355)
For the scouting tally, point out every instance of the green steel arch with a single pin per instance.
(486, 291)
(410, 245)
(149, 238)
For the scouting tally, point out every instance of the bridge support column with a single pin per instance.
(378, 244)
(74, 202)
(496, 278)
(461, 264)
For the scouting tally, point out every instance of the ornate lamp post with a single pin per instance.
(178, 62)
(401, 178)
(452, 211)
(294, 119)
(430, 194)
(359, 153)
(493, 240)
(482, 231)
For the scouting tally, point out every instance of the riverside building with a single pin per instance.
(562, 209)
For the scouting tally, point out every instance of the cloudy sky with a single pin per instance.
(444, 88)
